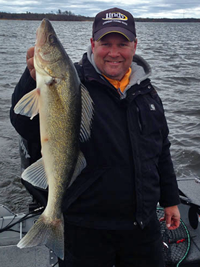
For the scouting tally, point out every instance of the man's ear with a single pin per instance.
(135, 44)
(92, 41)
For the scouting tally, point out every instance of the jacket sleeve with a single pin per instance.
(28, 129)
(168, 184)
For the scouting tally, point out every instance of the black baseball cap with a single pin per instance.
(114, 20)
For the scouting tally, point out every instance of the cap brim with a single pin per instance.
(99, 34)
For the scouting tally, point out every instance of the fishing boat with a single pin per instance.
(181, 247)
(12, 229)
(14, 226)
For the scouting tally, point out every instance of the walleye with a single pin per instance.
(65, 111)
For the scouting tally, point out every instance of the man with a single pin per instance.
(110, 210)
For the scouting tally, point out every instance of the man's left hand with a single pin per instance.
(172, 217)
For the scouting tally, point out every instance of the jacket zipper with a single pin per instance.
(139, 119)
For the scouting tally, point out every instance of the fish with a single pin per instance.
(65, 111)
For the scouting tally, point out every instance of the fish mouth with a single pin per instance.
(41, 36)
(45, 38)
(44, 47)
(45, 27)
(48, 52)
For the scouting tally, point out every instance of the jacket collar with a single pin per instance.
(141, 70)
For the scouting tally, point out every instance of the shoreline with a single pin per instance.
(63, 17)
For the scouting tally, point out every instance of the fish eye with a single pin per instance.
(52, 39)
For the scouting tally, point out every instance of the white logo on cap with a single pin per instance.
(115, 16)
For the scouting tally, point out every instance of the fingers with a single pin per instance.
(168, 220)
(33, 74)
(171, 217)
(30, 52)
(30, 62)
(172, 222)
(162, 219)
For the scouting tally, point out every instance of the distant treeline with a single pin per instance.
(65, 16)
(69, 16)
(167, 20)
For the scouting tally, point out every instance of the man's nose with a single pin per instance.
(114, 51)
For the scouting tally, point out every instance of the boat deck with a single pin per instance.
(11, 256)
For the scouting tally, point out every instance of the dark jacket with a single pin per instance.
(129, 168)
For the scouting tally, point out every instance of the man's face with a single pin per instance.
(113, 55)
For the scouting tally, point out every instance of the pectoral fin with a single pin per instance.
(28, 105)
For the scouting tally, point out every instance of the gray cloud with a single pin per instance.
(142, 8)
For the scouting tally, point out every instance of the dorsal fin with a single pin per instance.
(87, 114)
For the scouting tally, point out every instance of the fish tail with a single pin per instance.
(46, 232)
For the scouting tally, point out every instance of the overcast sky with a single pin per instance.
(139, 8)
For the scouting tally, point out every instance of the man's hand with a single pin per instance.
(29, 61)
(171, 217)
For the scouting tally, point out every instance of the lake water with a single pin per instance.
(172, 50)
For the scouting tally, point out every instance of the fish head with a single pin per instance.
(49, 53)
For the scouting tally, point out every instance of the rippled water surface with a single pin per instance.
(172, 50)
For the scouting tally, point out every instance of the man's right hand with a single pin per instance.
(29, 61)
